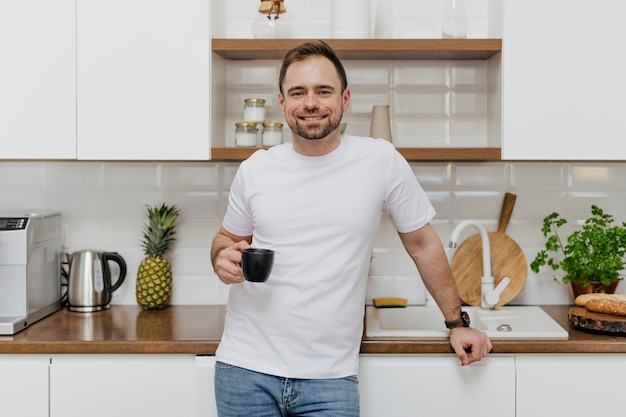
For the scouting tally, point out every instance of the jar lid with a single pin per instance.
(245, 124)
(254, 100)
(272, 125)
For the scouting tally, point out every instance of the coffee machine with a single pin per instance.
(30, 268)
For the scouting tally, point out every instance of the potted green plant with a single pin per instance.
(591, 258)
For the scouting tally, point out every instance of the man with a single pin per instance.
(290, 345)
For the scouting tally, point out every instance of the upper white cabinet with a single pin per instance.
(37, 79)
(143, 79)
(563, 89)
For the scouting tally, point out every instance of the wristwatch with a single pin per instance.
(463, 321)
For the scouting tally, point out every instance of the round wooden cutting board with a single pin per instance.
(581, 318)
(507, 260)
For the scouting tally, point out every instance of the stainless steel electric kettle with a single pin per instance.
(89, 286)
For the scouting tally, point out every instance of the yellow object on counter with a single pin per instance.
(389, 302)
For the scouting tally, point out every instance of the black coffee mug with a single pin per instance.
(257, 264)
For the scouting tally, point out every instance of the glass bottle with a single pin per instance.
(454, 25)
(271, 22)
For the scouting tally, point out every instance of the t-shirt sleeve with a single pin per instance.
(238, 218)
(406, 202)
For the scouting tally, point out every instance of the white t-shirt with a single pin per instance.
(321, 216)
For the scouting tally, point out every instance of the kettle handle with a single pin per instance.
(115, 257)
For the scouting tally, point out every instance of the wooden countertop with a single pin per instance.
(198, 329)
(123, 329)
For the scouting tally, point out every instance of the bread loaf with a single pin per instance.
(582, 300)
(607, 306)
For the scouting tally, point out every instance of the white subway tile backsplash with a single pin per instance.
(468, 131)
(543, 290)
(485, 205)
(22, 175)
(368, 74)
(429, 74)
(469, 75)
(433, 176)
(538, 176)
(379, 286)
(227, 173)
(403, 265)
(537, 204)
(441, 202)
(102, 211)
(77, 176)
(192, 233)
(578, 204)
(604, 177)
(382, 261)
(361, 104)
(386, 239)
(421, 132)
(124, 204)
(469, 176)
(75, 204)
(139, 176)
(257, 75)
(411, 288)
(115, 233)
(198, 176)
(469, 103)
(201, 205)
(432, 104)
(24, 200)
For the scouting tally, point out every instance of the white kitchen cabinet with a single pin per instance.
(204, 390)
(37, 79)
(436, 385)
(143, 79)
(570, 385)
(24, 385)
(562, 87)
(131, 385)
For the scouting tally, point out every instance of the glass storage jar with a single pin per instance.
(271, 22)
(454, 25)
(245, 134)
(272, 134)
(254, 110)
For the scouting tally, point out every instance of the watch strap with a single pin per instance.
(462, 321)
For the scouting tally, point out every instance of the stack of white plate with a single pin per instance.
(351, 19)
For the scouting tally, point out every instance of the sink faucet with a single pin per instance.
(489, 296)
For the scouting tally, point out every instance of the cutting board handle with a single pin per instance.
(507, 210)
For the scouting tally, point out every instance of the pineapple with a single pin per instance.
(154, 276)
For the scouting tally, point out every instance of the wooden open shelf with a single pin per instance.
(371, 49)
(457, 49)
(232, 154)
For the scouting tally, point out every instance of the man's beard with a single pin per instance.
(314, 133)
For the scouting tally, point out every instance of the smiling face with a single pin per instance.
(313, 101)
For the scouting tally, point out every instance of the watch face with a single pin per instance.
(465, 318)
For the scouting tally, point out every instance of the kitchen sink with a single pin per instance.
(506, 322)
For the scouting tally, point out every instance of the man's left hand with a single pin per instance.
(470, 345)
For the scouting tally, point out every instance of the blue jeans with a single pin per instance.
(243, 393)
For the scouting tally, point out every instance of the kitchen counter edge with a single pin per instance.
(197, 330)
